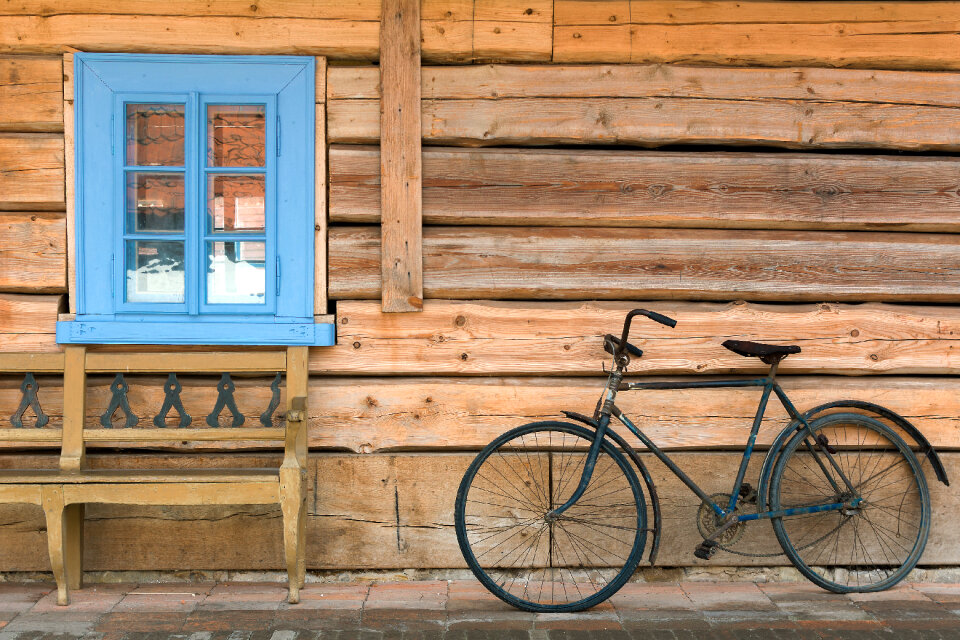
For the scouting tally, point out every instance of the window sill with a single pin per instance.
(206, 333)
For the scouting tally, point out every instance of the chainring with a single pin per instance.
(708, 522)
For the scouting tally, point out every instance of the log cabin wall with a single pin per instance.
(781, 171)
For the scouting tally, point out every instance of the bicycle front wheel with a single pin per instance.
(872, 546)
(568, 564)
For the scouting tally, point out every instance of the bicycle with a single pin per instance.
(846, 495)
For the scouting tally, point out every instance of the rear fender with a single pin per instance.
(867, 407)
(647, 478)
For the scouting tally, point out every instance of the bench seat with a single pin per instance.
(135, 476)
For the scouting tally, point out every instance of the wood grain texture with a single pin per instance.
(33, 255)
(522, 263)
(390, 414)
(507, 186)
(31, 172)
(70, 176)
(558, 338)
(31, 94)
(320, 213)
(653, 105)
(29, 322)
(895, 35)
(367, 415)
(401, 259)
(453, 31)
(397, 514)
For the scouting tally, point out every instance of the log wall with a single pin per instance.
(782, 171)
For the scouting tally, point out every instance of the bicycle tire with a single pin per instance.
(543, 447)
(895, 514)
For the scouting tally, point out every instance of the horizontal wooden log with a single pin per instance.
(640, 264)
(33, 253)
(31, 93)
(656, 105)
(367, 415)
(659, 189)
(397, 514)
(451, 31)
(887, 35)
(31, 172)
(29, 322)
(556, 338)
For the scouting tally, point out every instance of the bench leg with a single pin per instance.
(56, 539)
(293, 503)
(73, 534)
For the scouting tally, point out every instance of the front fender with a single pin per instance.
(647, 478)
(868, 407)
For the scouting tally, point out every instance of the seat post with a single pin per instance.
(773, 368)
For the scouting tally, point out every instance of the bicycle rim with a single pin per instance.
(868, 548)
(571, 564)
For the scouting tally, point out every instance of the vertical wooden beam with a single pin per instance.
(400, 163)
(320, 194)
(72, 452)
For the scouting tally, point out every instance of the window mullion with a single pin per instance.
(194, 224)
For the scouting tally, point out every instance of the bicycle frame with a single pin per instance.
(769, 385)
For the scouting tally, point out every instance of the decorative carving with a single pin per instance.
(266, 418)
(29, 390)
(225, 399)
(172, 400)
(119, 388)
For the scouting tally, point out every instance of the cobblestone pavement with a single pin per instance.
(464, 610)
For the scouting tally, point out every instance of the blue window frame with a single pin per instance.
(194, 200)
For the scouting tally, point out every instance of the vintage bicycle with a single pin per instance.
(551, 516)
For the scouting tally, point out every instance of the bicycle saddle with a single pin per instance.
(768, 353)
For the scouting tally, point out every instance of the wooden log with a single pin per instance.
(33, 253)
(31, 172)
(558, 338)
(496, 81)
(31, 94)
(659, 189)
(367, 415)
(522, 263)
(401, 261)
(656, 105)
(888, 35)
(397, 514)
(28, 322)
(335, 29)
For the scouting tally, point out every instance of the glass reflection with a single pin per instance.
(154, 271)
(155, 135)
(236, 135)
(235, 203)
(236, 272)
(154, 202)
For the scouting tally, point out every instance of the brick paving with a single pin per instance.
(463, 610)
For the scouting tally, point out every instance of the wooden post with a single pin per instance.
(400, 164)
(73, 453)
(293, 471)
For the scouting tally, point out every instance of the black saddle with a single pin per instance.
(769, 353)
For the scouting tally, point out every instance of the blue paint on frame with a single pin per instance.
(281, 254)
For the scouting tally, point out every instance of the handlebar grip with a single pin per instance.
(611, 344)
(662, 319)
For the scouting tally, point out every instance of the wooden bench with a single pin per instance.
(63, 492)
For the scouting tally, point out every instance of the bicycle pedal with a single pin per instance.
(706, 549)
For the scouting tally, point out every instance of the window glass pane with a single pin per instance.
(236, 135)
(154, 202)
(236, 272)
(235, 202)
(155, 135)
(154, 271)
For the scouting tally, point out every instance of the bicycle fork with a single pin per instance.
(613, 384)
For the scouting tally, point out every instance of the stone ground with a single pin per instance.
(462, 609)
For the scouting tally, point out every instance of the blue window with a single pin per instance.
(194, 209)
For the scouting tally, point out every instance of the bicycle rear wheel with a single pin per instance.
(868, 548)
(572, 563)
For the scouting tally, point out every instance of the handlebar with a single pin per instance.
(656, 317)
